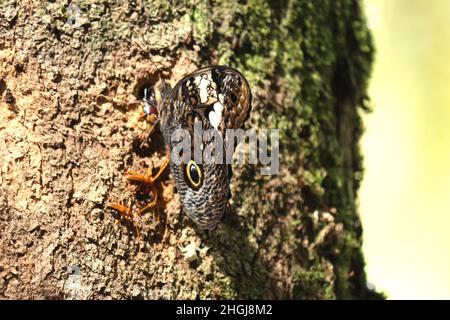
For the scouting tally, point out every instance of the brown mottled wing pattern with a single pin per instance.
(237, 97)
(202, 89)
(220, 98)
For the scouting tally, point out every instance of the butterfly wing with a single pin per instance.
(220, 98)
(219, 95)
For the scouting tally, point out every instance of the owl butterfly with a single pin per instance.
(220, 98)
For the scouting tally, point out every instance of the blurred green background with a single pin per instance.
(405, 195)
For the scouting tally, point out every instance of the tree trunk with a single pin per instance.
(69, 72)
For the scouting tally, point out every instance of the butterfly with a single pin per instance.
(216, 97)
(219, 97)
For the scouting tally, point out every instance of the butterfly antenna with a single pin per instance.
(145, 51)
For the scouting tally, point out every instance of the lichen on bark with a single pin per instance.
(63, 149)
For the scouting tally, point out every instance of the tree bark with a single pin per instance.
(69, 74)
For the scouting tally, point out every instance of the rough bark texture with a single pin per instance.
(67, 134)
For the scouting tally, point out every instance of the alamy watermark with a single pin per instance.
(373, 13)
(211, 147)
(74, 15)
(74, 286)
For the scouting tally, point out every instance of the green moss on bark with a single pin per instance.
(308, 63)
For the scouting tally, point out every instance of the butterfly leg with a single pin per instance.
(151, 204)
(145, 182)
(127, 213)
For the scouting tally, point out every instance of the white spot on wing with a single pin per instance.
(216, 116)
(218, 107)
(203, 87)
(220, 96)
